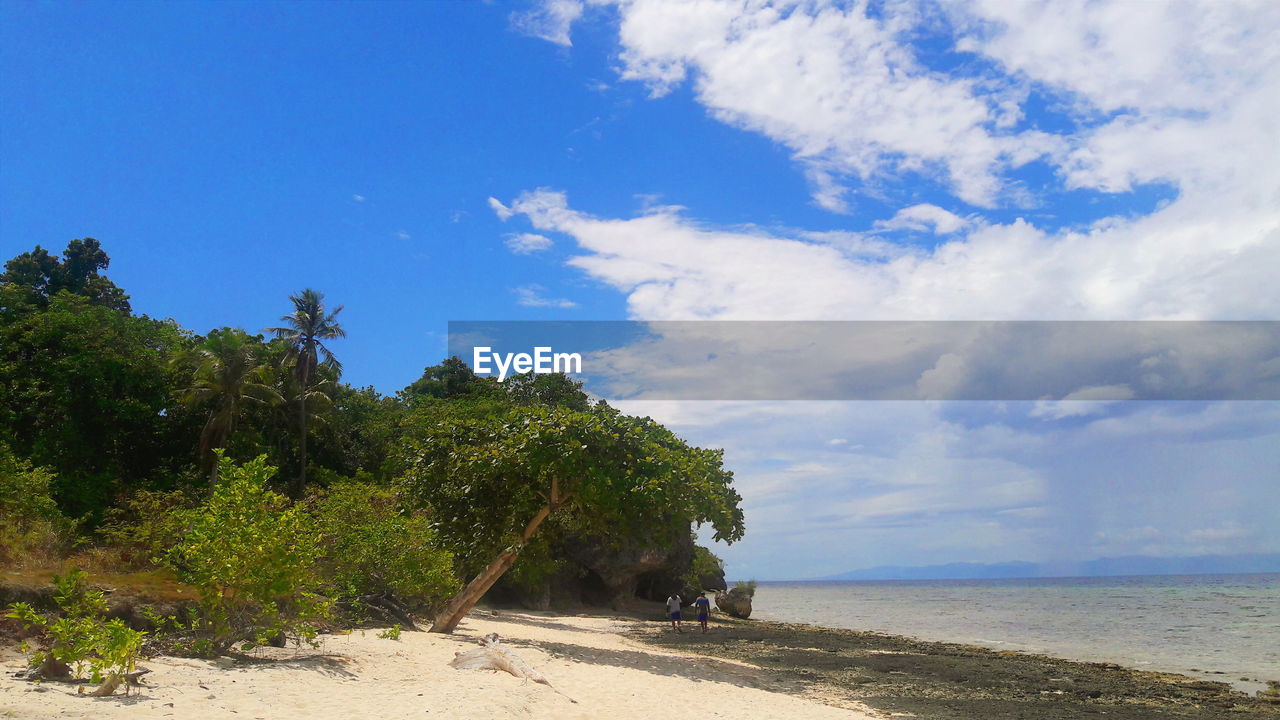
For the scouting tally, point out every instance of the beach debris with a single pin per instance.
(493, 655)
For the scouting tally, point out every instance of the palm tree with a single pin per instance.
(304, 334)
(229, 373)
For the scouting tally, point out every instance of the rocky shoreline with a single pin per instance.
(946, 681)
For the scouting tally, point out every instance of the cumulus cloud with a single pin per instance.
(833, 84)
(533, 296)
(1156, 93)
(1190, 260)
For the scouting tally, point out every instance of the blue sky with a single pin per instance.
(427, 162)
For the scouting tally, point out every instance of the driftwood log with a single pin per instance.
(493, 655)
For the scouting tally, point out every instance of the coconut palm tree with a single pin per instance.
(228, 374)
(304, 335)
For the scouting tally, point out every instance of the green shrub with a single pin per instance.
(32, 529)
(374, 548)
(391, 633)
(148, 525)
(80, 639)
(252, 557)
(747, 588)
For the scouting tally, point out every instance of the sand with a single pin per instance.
(360, 675)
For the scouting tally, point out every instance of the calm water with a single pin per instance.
(1218, 627)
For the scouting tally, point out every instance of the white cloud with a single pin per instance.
(832, 84)
(357, 198)
(526, 243)
(1176, 92)
(403, 235)
(1190, 260)
(503, 212)
(1092, 400)
(532, 296)
(1179, 93)
(549, 21)
(924, 218)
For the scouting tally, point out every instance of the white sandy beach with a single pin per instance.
(363, 676)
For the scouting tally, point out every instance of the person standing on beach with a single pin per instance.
(704, 608)
(673, 610)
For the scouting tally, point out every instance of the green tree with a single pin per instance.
(87, 391)
(493, 474)
(360, 432)
(41, 275)
(228, 374)
(304, 334)
(452, 378)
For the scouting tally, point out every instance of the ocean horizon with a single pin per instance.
(1223, 627)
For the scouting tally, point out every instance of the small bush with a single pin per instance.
(145, 528)
(32, 529)
(391, 633)
(80, 639)
(252, 557)
(374, 548)
(747, 588)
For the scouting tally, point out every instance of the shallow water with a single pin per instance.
(1217, 627)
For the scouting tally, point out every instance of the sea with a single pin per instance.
(1214, 627)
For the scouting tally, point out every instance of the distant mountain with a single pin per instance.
(1102, 567)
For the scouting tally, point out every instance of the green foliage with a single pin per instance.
(87, 393)
(80, 639)
(304, 334)
(229, 374)
(548, 390)
(391, 633)
(31, 527)
(40, 276)
(142, 531)
(252, 558)
(450, 379)
(372, 547)
(705, 564)
(486, 469)
(360, 432)
(747, 588)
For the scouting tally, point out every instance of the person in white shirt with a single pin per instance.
(673, 610)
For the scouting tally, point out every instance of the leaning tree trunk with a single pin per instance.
(462, 603)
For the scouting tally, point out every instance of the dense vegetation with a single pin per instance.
(239, 462)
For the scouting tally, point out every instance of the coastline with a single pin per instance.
(631, 666)
(926, 679)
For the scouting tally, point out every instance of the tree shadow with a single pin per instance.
(550, 624)
(697, 669)
(332, 665)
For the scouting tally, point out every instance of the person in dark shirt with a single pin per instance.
(704, 609)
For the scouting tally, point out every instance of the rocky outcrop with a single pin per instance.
(736, 602)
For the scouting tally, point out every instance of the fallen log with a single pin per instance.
(493, 655)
